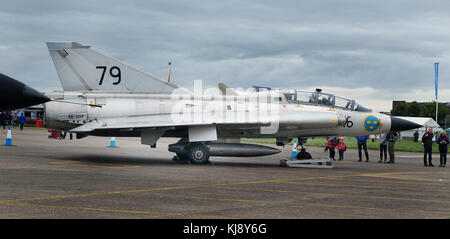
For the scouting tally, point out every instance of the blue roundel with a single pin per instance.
(371, 123)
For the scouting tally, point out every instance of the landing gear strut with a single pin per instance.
(304, 159)
(302, 154)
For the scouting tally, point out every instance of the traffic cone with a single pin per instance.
(9, 137)
(294, 149)
(112, 143)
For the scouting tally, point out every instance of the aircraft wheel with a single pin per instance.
(304, 155)
(198, 154)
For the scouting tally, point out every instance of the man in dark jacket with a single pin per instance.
(2, 119)
(391, 138)
(416, 136)
(427, 140)
(443, 142)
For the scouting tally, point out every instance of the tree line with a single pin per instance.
(415, 109)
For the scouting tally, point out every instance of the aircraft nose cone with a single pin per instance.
(399, 124)
(32, 96)
(15, 95)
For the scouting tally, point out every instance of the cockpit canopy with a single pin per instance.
(319, 98)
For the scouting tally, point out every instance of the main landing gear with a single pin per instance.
(195, 153)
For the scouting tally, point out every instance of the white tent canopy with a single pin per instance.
(425, 122)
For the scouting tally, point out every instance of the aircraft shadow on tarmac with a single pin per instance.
(141, 161)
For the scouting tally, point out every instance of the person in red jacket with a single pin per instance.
(331, 144)
(342, 148)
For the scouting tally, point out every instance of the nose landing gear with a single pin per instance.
(304, 159)
(302, 154)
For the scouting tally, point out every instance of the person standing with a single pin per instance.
(65, 133)
(362, 143)
(416, 136)
(331, 145)
(383, 148)
(342, 148)
(12, 121)
(8, 118)
(391, 137)
(427, 140)
(2, 119)
(443, 146)
(22, 120)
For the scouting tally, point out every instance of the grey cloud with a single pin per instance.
(379, 44)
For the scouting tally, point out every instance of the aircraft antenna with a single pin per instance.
(170, 71)
(76, 103)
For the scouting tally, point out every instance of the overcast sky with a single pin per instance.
(373, 51)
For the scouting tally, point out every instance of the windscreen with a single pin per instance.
(319, 98)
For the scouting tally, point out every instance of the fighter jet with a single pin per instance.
(105, 97)
(16, 95)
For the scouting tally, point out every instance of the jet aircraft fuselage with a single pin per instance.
(105, 97)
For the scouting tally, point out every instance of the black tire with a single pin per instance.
(303, 155)
(198, 154)
(182, 157)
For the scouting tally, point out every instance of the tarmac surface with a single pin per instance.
(51, 178)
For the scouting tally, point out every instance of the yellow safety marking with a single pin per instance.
(340, 195)
(368, 208)
(395, 173)
(114, 210)
(306, 204)
(210, 198)
(189, 187)
(166, 188)
(403, 178)
(383, 175)
(365, 186)
(387, 181)
(337, 185)
(224, 185)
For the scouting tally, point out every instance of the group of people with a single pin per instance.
(334, 142)
(10, 118)
(387, 143)
(442, 140)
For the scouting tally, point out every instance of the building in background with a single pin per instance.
(34, 115)
(425, 122)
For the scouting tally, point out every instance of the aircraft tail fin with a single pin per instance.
(226, 90)
(80, 68)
